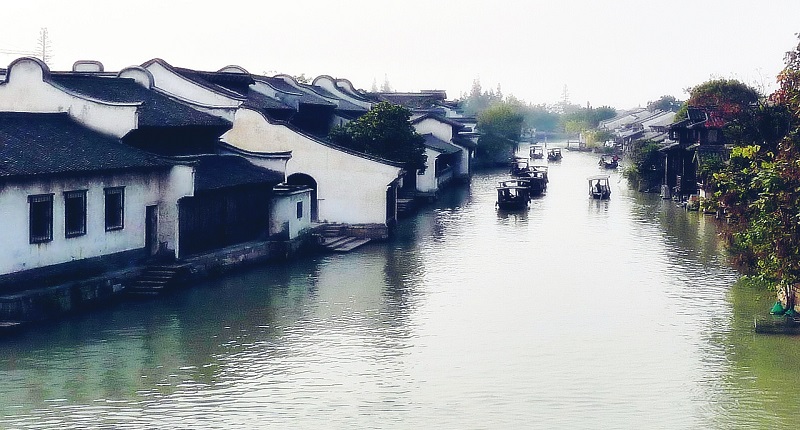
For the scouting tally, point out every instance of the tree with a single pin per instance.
(646, 165)
(500, 127)
(582, 119)
(665, 103)
(724, 98)
(541, 118)
(760, 186)
(301, 78)
(478, 101)
(385, 131)
(386, 87)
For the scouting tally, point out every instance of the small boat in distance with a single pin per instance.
(554, 154)
(537, 151)
(599, 187)
(609, 161)
(512, 197)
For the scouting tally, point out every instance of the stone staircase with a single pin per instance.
(156, 279)
(405, 207)
(333, 239)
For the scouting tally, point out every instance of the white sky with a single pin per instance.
(621, 53)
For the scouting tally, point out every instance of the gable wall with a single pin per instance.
(176, 84)
(439, 129)
(26, 91)
(328, 84)
(350, 189)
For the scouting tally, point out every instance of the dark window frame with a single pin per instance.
(74, 227)
(300, 210)
(40, 218)
(114, 215)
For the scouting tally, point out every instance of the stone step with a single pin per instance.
(351, 244)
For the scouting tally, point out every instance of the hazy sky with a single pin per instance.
(620, 53)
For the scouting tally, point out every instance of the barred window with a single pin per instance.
(115, 208)
(41, 218)
(74, 213)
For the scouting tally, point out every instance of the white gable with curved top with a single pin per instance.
(200, 97)
(329, 84)
(350, 188)
(27, 88)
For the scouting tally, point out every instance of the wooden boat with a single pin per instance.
(512, 197)
(554, 154)
(599, 187)
(537, 151)
(536, 176)
(609, 161)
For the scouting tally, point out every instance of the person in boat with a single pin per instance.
(598, 187)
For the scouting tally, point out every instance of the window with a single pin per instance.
(74, 213)
(299, 210)
(115, 208)
(41, 218)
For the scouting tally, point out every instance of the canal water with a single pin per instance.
(578, 313)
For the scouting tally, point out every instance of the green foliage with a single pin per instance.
(760, 186)
(597, 137)
(384, 131)
(540, 118)
(582, 119)
(727, 97)
(665, 103)
(500, 127)
(478, 100)
(646, 164)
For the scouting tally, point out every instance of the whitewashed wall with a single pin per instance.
(26, 89)
(283, 213)
(199, 97)
(329, 84)
(426, 182)
(141, 190)
(444, 131)
(350, 188)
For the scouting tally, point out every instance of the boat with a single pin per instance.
(512, 197)
(554, 154)
(536, 176)
(609, 161)
(537, 151)
(599, 187)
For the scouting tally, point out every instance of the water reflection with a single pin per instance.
(618, 313)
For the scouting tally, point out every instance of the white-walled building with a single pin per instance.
(346, 187)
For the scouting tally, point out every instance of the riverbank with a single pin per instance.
(47, 303)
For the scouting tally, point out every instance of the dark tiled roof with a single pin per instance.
(217, 81)
(440, 145)
(219, 78)
(260, 101)
(344, 105)
(410, 100)
(465, 142)
(157, 109)
(439, 118)
(52, 143)
(222, 171)
(305, 97)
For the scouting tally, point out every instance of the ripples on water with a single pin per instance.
(574, 314)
